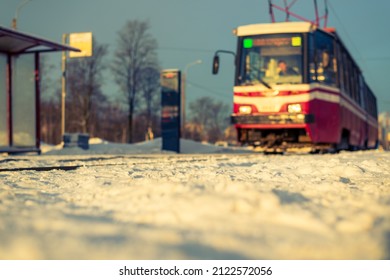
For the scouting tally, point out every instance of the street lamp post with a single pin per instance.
(183, 96)
(15, 19)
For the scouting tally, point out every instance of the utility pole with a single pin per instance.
(83, 42)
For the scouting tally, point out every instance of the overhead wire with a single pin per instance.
(209, 90)
(185, 49)
(378, 58)
(360, 57)
(363, 60)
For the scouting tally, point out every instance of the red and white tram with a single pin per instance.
(297, 85)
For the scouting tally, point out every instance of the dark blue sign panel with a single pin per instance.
(170, 109)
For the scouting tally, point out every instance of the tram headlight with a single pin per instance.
(245, 110)
(294, 108)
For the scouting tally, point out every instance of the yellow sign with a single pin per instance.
(296, 41)
(82, 41)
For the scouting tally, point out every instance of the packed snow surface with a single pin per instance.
(136, 202)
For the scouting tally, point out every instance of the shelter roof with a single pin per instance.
(15, 42)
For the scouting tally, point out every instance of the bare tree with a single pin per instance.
(150, 86)
(208, 119)
(84, 89)
(50, 103)
(136, 51)
(112, 123)
(50, 120)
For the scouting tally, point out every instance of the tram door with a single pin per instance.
(170, 110)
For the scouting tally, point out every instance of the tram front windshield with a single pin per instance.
(274, 59)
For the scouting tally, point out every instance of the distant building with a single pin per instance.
(384, 130)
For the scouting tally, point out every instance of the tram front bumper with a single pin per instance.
(273, 119)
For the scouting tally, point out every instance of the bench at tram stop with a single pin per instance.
(72, 140)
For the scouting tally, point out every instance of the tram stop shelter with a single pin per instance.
(20, 89)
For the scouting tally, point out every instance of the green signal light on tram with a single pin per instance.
(248, 43)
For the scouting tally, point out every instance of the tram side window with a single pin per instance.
(346, 74)
(363, 92)
(371, 100)
(312, 59)
(367, 98)
(340, 67)
(325, 60)
(353, 81)
(358, 87)
(375, 109)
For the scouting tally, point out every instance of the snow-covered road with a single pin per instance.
(196, 206)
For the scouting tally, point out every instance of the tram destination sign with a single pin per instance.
(294, 41)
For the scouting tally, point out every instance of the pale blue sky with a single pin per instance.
(188, 30)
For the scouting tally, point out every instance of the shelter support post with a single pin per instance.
(63, 81)
(9, 99)
(37, 101)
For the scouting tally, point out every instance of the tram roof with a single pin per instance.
(15, 42)
(274, 28)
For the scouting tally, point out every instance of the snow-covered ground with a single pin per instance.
(135, 202)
